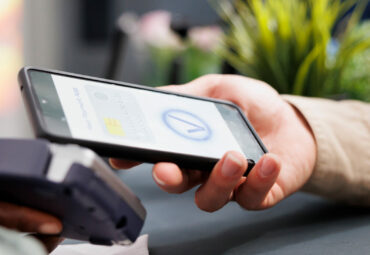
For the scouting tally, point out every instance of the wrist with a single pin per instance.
(306, 139)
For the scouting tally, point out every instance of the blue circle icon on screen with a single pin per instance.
(187, 125)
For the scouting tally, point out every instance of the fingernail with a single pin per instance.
(49, 228)
(159, 181)
(268, 168)
(113, 163)
(231, 166)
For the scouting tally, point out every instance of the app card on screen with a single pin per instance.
(119, 113)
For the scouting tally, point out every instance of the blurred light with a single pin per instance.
(10, 53)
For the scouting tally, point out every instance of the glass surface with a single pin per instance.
(109, 113)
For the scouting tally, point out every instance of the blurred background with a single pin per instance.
(306, 47)
(75, 36)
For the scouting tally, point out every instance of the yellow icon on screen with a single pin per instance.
(114, 126)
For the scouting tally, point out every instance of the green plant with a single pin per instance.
(196, 62)
(198, 57)
(355, 79)
(286, 42)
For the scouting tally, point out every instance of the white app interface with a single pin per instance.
(139, 118)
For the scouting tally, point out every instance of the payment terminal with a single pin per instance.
(73, 184)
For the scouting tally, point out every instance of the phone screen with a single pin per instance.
(124, 115)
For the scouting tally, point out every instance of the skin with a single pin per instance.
(42, 226)
(278, 174)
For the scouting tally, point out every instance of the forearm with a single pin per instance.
(342, 134)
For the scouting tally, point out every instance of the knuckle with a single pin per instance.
(247, 204)
(254, 205)
(178, 189)
(172, 190)
(204, 206)
(213, 79)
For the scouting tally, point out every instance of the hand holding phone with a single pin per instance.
(276, 175)
(193, 132)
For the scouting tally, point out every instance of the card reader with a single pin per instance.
(73, 184)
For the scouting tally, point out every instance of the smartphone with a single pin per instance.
(134, 122)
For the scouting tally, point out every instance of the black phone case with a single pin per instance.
(121, 151)
(88, 208)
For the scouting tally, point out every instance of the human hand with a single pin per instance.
(43, 226)
(281, 172)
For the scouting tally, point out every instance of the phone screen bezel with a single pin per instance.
(113, 150)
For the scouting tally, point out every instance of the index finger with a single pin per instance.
(122, 163)
(172, 179)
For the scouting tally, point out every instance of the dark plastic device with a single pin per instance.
(73, 184)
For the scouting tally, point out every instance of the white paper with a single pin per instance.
(140, 247)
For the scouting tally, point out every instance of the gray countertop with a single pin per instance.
(301, 224)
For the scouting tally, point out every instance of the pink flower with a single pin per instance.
(155, 30)
(205, 38)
